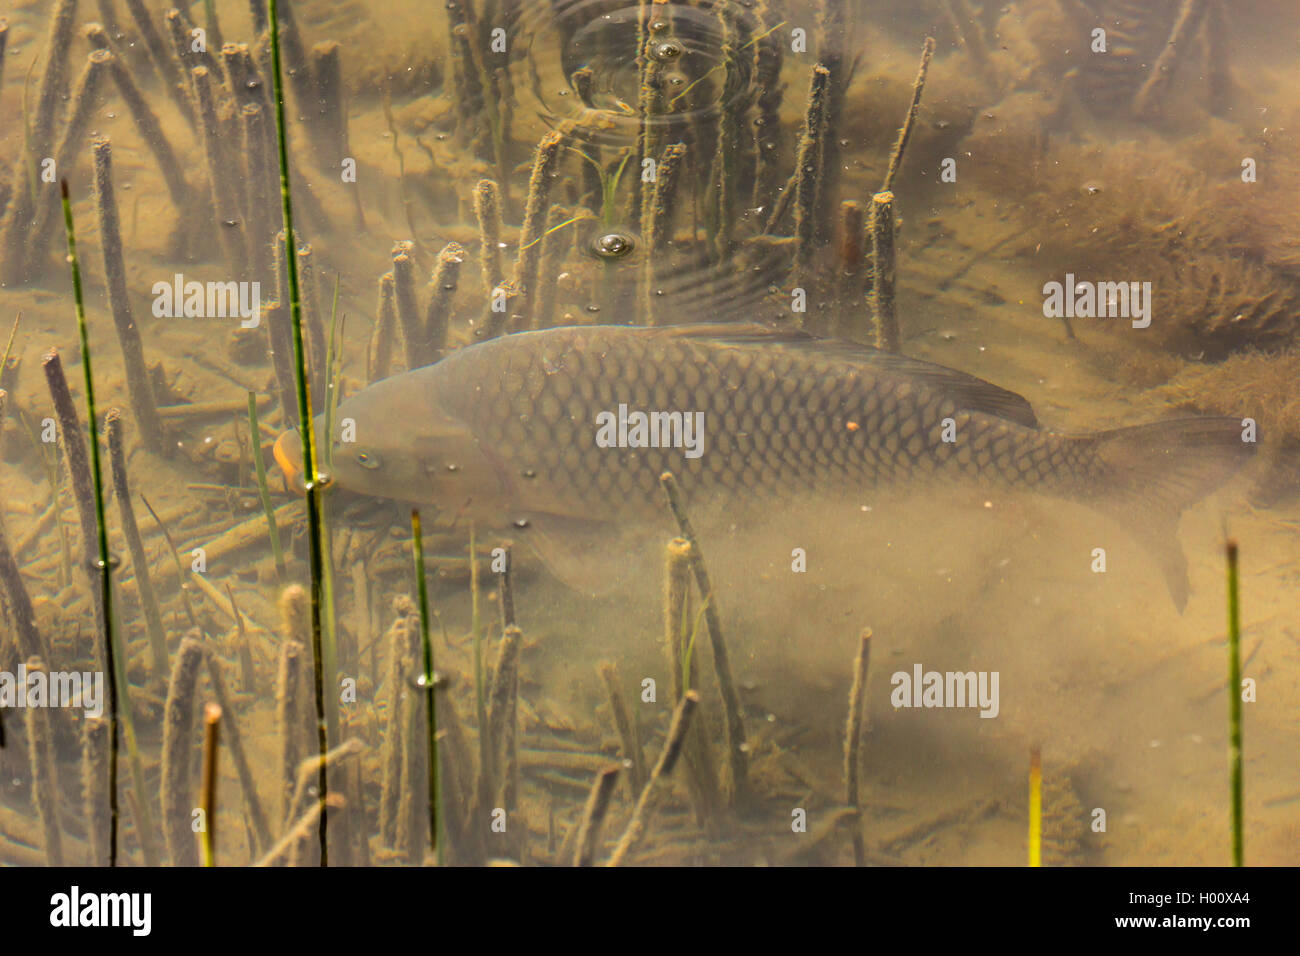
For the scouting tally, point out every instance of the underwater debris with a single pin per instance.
(853, 744)
(135, 544)
(651, 794)
(176, 793)
(138, 381)
(593, 815)
(883, 316)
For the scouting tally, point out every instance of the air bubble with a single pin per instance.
(667, 50)
(614, 245)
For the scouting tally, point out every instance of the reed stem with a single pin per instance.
(487, 210)
(261, 834)
(721, 662)
(17, 601)
(442, 290)
(128, 335)
(208, 787)
(94, 768)
(315, 506)
(112, 653)
(381, 342)
(134, 543)
(1234, 704)
(808, 167)
(882, 272)
(853, 743)
(545, 160)
(418, 352)
(1150, 98)
(1035, 807)
(645, 804)
(593, 815)
(177, 750)
(430, 706)
(45, 786)
(627, 735)
(904, 134)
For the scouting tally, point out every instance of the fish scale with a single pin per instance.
(504, 432)
(774, 422)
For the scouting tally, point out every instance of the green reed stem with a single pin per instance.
(476, 630)
(9, 346)
(267, 508)
(1234, 703)
(333, 368)
(315, 509)
(430, 713)
(111, 650)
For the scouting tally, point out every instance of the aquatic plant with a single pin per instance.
(1234, 702)
(113, 653)
(312, 482)
(1035, 807)
(428, 682)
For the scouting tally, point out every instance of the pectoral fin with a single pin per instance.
(590, 556)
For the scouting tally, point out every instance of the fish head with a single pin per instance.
(395, 440)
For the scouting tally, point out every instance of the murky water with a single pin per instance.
(1097, 224)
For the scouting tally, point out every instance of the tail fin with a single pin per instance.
(1158, 470)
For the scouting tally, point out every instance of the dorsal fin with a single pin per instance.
(970, 393)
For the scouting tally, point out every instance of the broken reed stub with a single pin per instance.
(882, 272)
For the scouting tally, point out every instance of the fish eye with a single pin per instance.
(368, 459)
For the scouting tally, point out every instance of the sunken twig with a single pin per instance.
(649, 798)
(853, 743)
(721, 662)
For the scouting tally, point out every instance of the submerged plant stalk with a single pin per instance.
(882, 272)
(208, 788)
(430, 712)
(94, 768)
(113, 656)
(315, 504)
(853, 743)
(658, 778)
(1035, 807)
(721, 662)
(177, 750)
(134, 543)
(128, 335)
(593, 815)
(808, 166)
(1234, 703)
(904, 134)
(545, 160)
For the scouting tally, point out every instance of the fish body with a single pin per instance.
(566, 431)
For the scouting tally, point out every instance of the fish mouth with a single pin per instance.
(287, 456)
